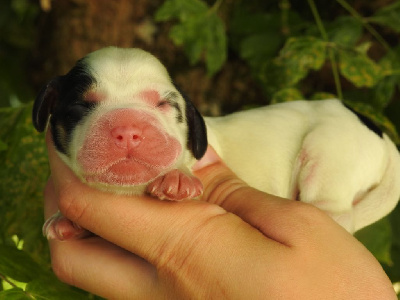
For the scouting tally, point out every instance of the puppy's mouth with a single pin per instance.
(127, 147)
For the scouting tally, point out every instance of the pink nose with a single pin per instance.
(126, 136)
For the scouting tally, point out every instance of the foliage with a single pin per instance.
(285, 49)
(38, 283)
(388, 16)
(23, 176)
(294, 52)
(16, 39)
(199, 29)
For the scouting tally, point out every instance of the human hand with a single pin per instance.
(236, 243)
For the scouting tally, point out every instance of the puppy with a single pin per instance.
(120, 124)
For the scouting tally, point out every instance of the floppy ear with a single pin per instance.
(44, 104)
(197, 132)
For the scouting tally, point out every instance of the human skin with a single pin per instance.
(236, 243)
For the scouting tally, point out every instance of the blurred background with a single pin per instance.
(226, 55)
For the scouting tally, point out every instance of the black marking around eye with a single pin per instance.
(171, 98)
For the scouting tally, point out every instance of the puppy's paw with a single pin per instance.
(58, 227)
(175, 185)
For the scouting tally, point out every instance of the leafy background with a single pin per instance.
(290, 49)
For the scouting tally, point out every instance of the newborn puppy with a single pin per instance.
(120, 124)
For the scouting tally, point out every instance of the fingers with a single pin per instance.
(198, 248)
(50, 202)
(96, 265)
(154, 227)
(280, 219)
(177, 238)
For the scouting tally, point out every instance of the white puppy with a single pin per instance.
(317, 152)
(122, 126)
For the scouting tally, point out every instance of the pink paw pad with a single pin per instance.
(58, 227)
(175, 185)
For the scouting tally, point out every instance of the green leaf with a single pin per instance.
(376, 117)
(23, 175)
(300, 55)
(383, 92)
(51, 288)
(257, 48)
(296, 59)
(17, 264)
(358, 68)
(377, 238)
(394, 271)
(364, 47)
(185, 34)
(14, 294)
(216, 45)
(256, 36)
(390, 63)
(200, 31)
(3, 146)
(388, 16)
(181, 9)
(286, 95)
(345, 31)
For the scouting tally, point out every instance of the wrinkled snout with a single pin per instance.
(127, 147)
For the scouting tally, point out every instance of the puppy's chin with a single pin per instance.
(126, 172)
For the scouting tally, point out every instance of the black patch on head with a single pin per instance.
(63, 99)
(197, 132)
(367, 122)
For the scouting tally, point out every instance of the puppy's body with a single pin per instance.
(317, 152)
(122, 126)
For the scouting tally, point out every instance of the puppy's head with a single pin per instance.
(118, 121)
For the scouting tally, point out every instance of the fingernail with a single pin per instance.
(211, 157)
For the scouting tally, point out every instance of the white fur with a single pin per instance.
(121, 74)
(317, 149)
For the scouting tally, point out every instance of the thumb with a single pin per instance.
(219, 181)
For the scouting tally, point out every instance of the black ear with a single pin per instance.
(44, 104)
(197, 132)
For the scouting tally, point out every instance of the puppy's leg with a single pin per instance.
(382, 198)
(334, 167)
(175, 185)
(319, 185)
(58, 227)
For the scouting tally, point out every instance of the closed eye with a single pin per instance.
(77, 110)
(83, 105)
(162, 103)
